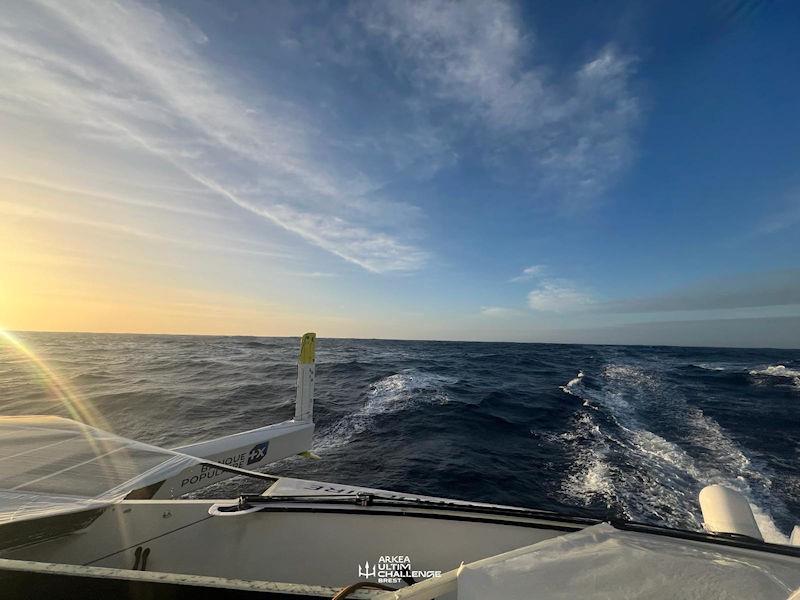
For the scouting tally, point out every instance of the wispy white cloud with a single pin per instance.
(782, 219)
(774, 290)
(528, 273)
(72, 192)
(558, 295)
(25, 211)
(139, 75)
(313, 274)
(745, 290)
(574, 129)
(498, 311)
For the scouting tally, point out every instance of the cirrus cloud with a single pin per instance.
(139, 76)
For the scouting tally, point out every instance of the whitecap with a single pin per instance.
(573, 382)
(779, 371)
(395, 393)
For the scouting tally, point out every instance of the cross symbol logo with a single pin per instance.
(257, 453)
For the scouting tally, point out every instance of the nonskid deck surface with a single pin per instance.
(303, 541)
(326, 536)
(285, 541)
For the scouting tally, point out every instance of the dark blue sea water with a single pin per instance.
(627, 431)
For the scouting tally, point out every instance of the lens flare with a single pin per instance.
(80, 411)
(59, 388)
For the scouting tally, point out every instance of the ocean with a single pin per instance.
(624, 431)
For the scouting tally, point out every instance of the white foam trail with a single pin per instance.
(576, 381)
(767, 527)
(591, 478)
(398, 392)
(592, 481)
(655, 477)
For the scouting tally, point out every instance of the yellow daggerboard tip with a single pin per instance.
(308, 346)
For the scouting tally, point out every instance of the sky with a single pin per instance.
(610, 172)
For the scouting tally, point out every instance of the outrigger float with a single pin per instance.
(88, 514)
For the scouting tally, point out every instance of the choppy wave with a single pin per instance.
(395, 393)
(779, 372)
(573, 382)
(635, 432)
(709, 367)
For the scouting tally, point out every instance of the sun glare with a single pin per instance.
(59, 388)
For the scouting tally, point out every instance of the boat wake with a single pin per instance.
(639, 448)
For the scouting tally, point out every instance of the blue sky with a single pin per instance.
(564, 171)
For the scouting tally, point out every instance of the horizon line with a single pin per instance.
(432, 340)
